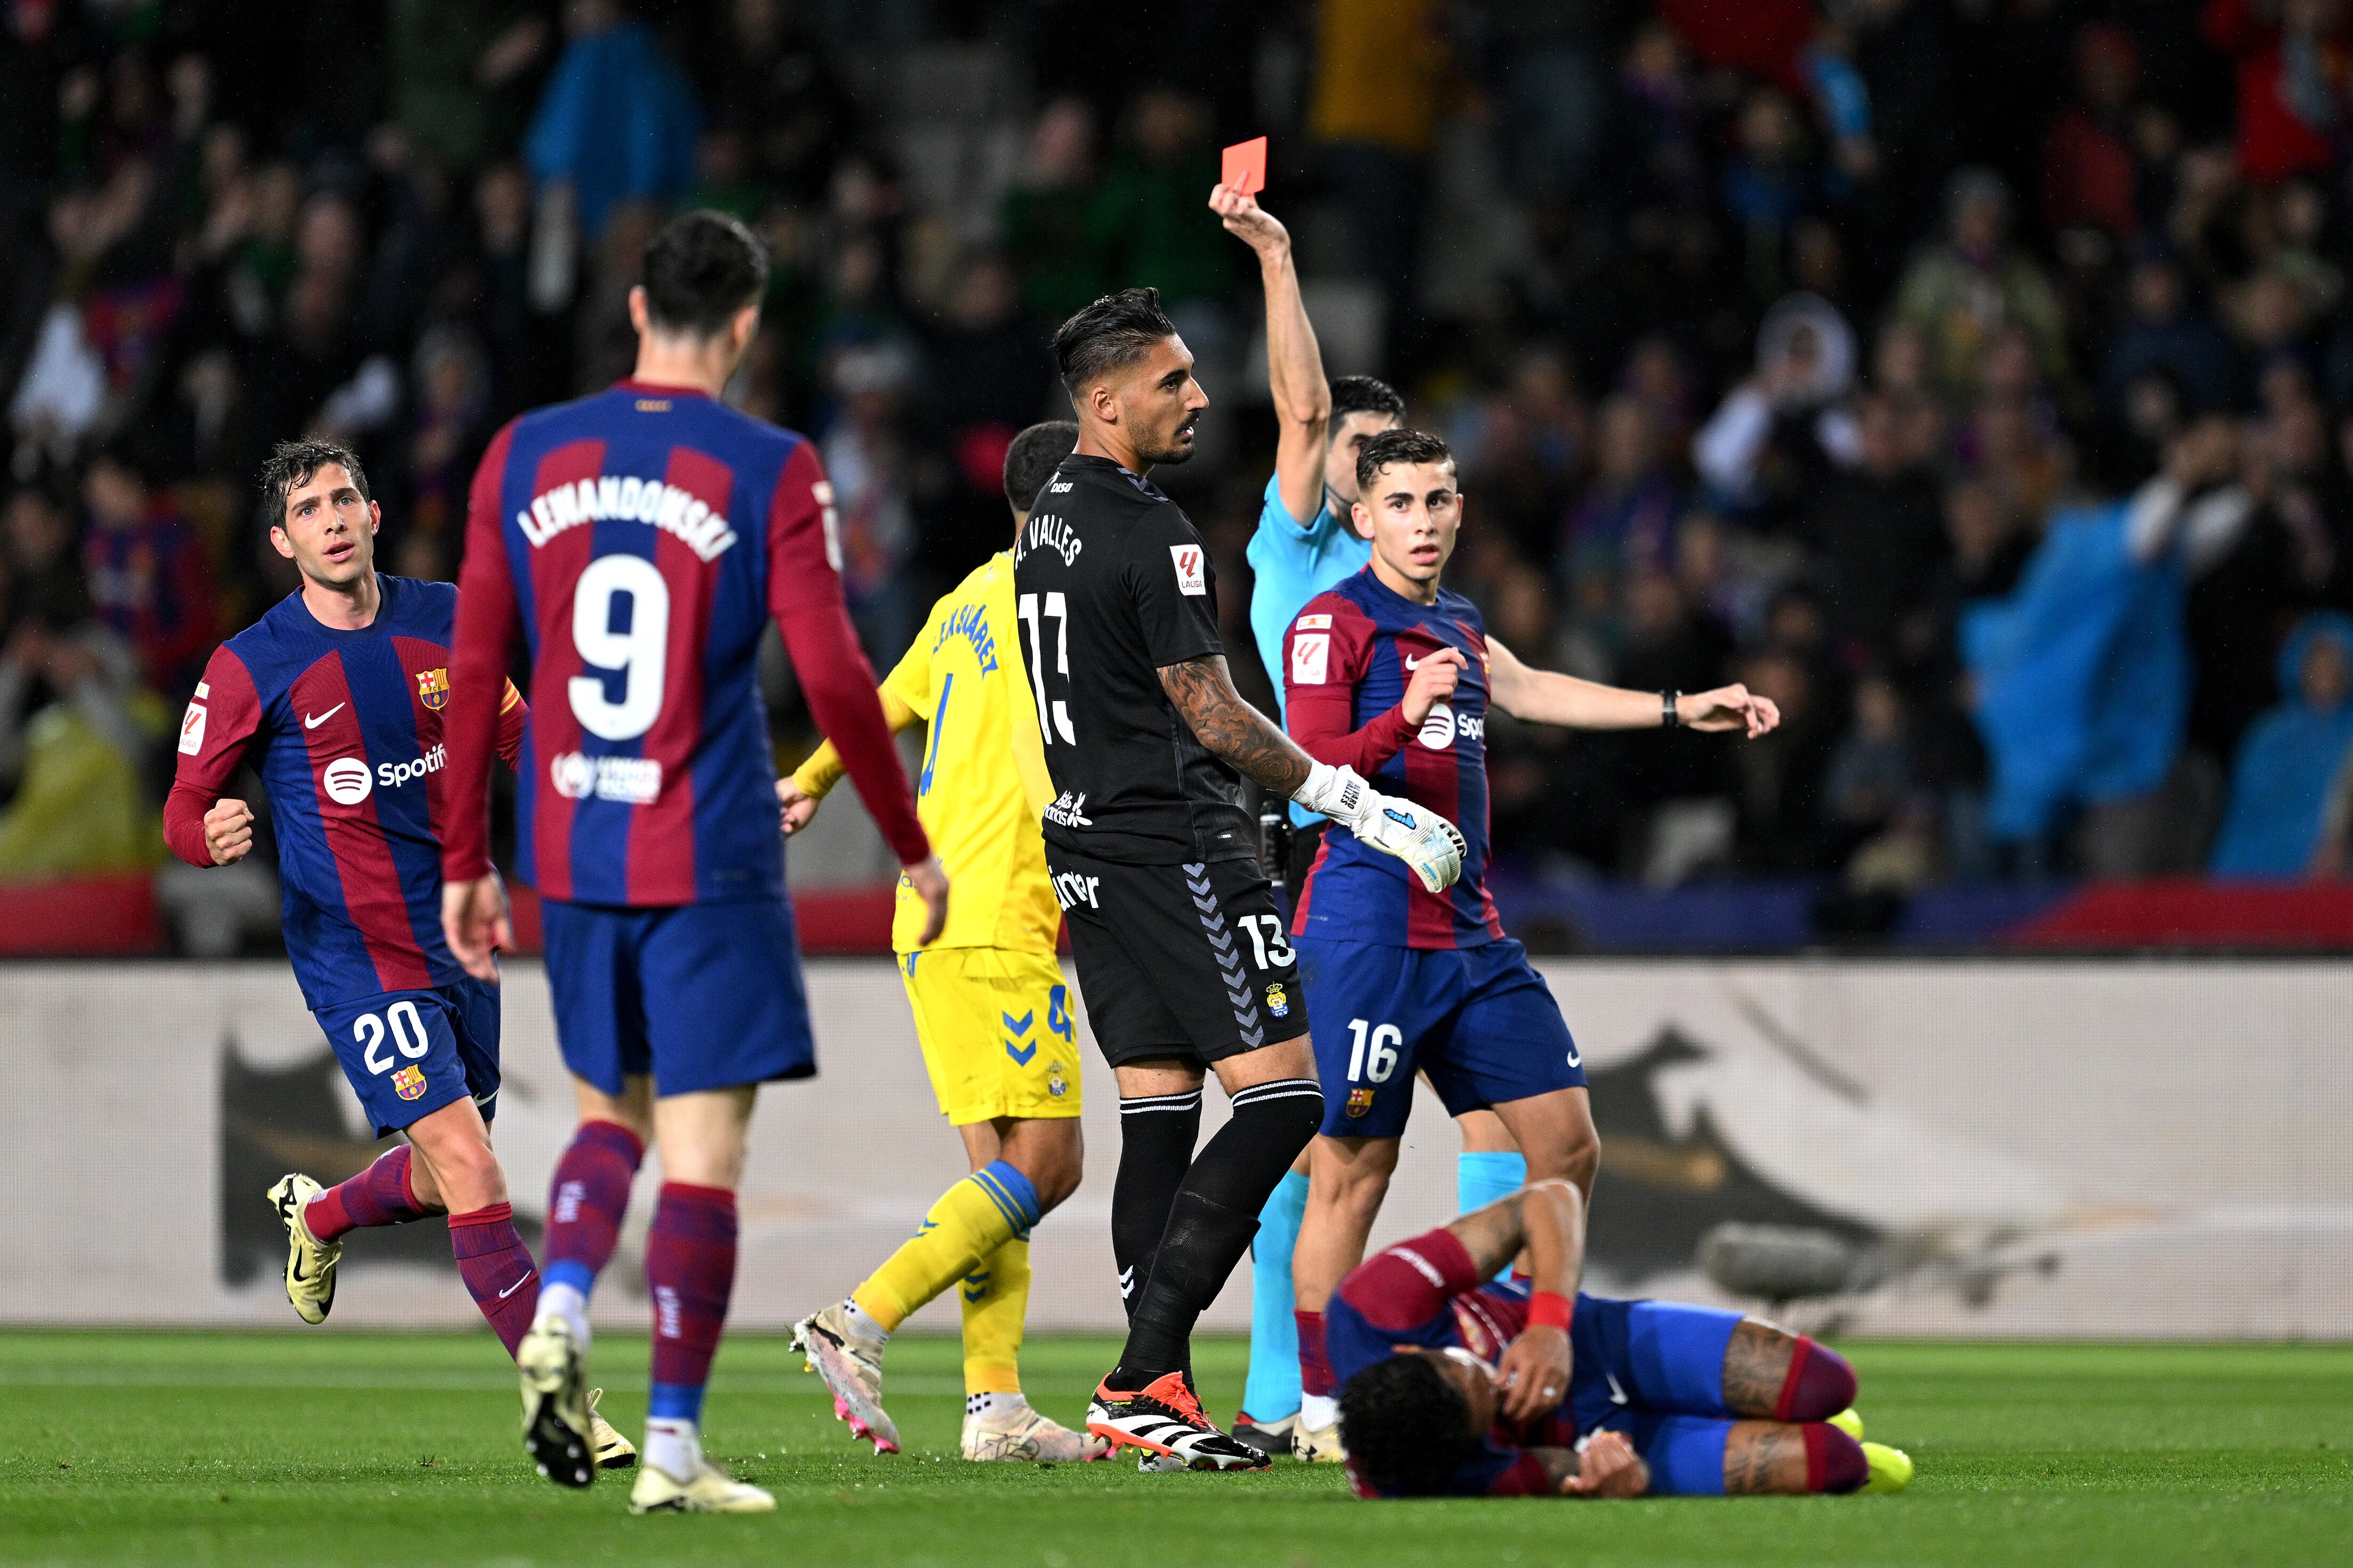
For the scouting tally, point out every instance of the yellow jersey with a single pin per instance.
(984, 785)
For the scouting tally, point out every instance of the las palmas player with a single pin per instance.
(990, 1008)
(639, 539)
(1392, 675)
(337, 697)
(1455, 1387)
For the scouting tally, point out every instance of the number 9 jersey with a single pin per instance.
(638, 539)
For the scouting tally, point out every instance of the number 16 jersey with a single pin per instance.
(640, 538)
(1112, 584)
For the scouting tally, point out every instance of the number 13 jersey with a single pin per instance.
(640, 538)
(1112, 584)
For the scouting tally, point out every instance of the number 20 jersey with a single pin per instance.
(1112, 584)
(641, 537)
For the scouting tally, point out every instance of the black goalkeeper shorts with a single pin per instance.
(1190, 961)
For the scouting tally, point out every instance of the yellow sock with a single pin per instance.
(995, 1301)
(971, 1220)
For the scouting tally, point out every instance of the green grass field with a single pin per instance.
(252, 1449)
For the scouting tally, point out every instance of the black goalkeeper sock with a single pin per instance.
(1211, 1222)
(1157, 1134)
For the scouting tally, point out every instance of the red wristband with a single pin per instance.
(1549, 1309)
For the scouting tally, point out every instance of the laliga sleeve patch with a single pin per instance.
(1311, 657)
(192, 729)
(1192, 572)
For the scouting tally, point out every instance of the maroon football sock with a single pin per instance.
(691, 1273)
(585, 1200)
(1818, 1384)
(1834, 1461)
(497, 1269)
(381, 1195)
(1315, 1371)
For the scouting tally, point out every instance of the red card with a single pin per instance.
(1246, 166)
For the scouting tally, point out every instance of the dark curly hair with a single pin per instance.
(1397, 446)
(291, 464)
(1405, 1428)
(1117, 329)
(1033, 457)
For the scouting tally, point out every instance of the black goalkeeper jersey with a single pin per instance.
(1110, 583)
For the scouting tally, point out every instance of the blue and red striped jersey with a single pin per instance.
(345, 729)
(640, 538)
(1347, 660)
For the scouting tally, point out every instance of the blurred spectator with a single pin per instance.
(1048, 212)
(1869, 778)
(148, 581)
(2280, 783)
(1877, 532)
(1962, 290)
(866, 459)
(775, 81)
(1151, 223)
(2089, 179)
(1781, 433)
(2163, 336)
(1780, 800)
(1628, 514)
(2288, 105)
(1379, 66)
(617, 123)
(989, 375)
(457, 65)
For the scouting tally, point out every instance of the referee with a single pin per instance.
(1176, 937)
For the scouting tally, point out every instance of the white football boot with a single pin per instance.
(1020, 1432)
(710, 1490)
(310, 1262)
(851, 1365)
(555, 1419)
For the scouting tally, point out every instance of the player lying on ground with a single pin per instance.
(1176, 935)
(1305, 543)
(640, 541)
(991, 1012)
(337, 698)
(1392, 675)
(1454, 1385)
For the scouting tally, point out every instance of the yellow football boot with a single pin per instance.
(310, 1262)
(1891, 1469)
(1849, 1421)
(711, 1491)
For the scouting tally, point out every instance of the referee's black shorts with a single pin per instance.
(1190, 962)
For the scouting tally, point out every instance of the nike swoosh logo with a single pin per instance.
(311, 723)
(526, 1279)
(1412, 662)
(1617, 1394)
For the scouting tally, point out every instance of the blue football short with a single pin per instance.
(701, 996)
(410, 1053)
(1479, 1020)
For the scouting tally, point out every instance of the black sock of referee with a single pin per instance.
(1157, 1134)
(1211, 1223)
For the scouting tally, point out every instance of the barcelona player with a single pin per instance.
(639, 541)
(337, 697)
(1305, 543)
(1392, 675)
(991, 1012)
(1454, 1387)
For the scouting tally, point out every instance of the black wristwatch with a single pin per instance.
(1668, 716)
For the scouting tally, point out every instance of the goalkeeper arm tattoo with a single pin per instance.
(1203, 691)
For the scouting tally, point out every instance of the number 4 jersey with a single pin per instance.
(640, 538)
(1112, 584)
(345, 729)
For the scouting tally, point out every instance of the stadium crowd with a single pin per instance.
(1972, 377)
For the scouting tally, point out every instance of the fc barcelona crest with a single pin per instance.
(1359, 1102)
(408, 1082)
(433, 688)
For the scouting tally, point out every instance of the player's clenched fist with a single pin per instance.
(229, 831)
(795, 807)
(1434, 679)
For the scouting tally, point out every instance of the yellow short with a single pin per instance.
(997, 1032)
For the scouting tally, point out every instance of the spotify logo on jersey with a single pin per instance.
(348, 781)
(1437, 730)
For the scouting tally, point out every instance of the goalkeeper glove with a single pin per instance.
(1421, 839)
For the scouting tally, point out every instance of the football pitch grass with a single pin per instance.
(365, 1448)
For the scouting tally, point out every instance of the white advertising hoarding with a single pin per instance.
(2038, 1148)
